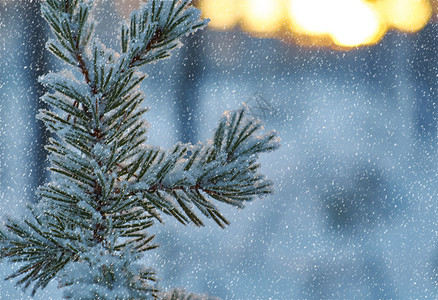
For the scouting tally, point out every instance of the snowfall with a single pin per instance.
(354, 213)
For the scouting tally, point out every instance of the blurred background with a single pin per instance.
(351, 87)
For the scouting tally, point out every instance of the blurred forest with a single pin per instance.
(354, 213)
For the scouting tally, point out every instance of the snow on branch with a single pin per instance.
(107, 185)
(223, 169)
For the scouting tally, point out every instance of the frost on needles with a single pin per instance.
(107, 185)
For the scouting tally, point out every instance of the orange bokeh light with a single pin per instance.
(224, 14)
(262, 16)
(405, 15)
(347, 23)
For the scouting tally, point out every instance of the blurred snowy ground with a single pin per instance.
(354, 212)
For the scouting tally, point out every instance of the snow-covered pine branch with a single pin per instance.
(107, 186)
(188, 176)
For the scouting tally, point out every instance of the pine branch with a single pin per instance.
(42, 255)
(107, 185)
(223, 169)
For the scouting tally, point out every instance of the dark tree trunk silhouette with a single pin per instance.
(424, 74)
(36, 57)
(27, 29)
(187, 106)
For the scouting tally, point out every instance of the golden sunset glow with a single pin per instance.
(224, 14)
(309, 16)
(405, 15)
(360, 26)
(262, 16)
(347, 23)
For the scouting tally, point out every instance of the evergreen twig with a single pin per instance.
(108, 186)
